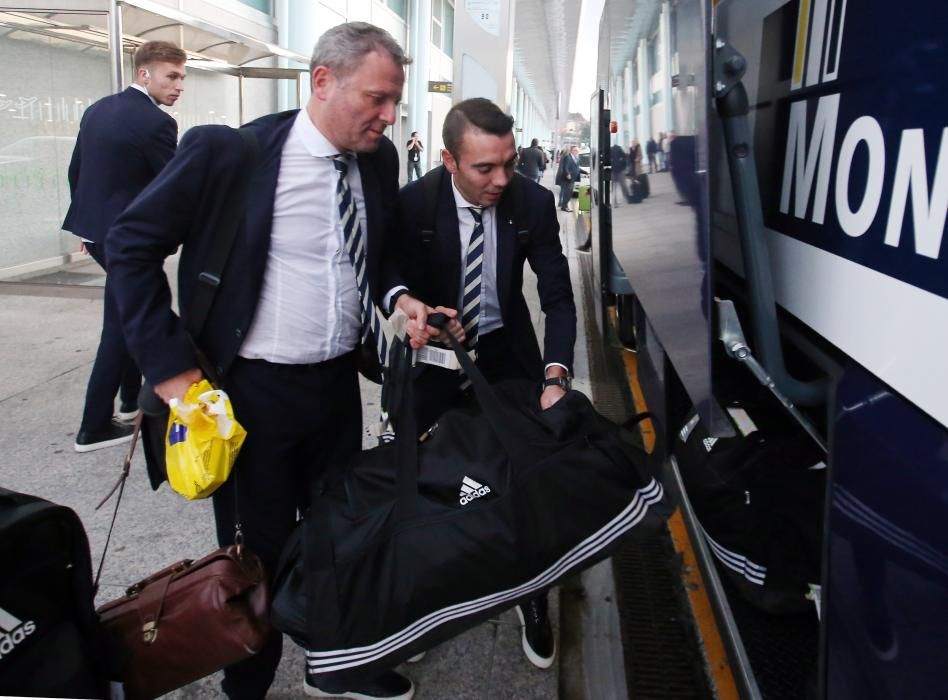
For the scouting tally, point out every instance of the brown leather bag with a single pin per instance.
(189, 620)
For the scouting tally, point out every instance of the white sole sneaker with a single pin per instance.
(126, 417)
(100, 445)
(315, 692)
(531, 655)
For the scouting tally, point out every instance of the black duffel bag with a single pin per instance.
(51, 643)
(413, 542)
(759, 499)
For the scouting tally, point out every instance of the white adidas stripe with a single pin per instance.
(755, 573)
(8, 622)
(327, 661)
(470, 482)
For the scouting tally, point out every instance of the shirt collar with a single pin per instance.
(142, 89)
(313, 140)
(462, 203)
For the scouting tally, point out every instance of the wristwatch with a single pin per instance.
(562, 382)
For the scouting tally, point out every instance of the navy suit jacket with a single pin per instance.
(183, 206)
(433, 270)
(124, 141)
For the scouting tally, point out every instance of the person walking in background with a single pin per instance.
(478, 232)
(532, 161)
(664, 145)
(415, 149)
(285, 343)
(651, 149)
(567, 176)
(635, 159)
(124, 141)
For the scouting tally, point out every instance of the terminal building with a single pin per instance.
(248, 58)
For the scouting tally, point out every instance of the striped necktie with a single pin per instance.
(355, 248)
(471, 300)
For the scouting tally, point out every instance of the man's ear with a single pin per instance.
(448, 159)
(320, 81)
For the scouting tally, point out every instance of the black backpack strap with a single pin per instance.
(210, 279)
(430, 184)
(518, 199)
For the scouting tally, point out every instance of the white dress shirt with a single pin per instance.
(143, 89)
(489, 318)
(309, 309)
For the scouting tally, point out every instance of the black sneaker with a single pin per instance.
(127, 411)
(538, 642)
(385, 686)
(115, 434)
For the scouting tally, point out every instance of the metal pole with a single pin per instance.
(240, 100)
(116, 64)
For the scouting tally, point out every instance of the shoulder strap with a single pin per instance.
(210, 279)
(430, 184)
(519, 202)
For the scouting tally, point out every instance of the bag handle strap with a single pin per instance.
(120, 487)
(492, 407)
(406, 433)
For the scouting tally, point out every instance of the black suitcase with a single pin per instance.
(643, 186)
(413, 543)
(759, 498)
(51, 644)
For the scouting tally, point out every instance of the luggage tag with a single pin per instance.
(429, 355)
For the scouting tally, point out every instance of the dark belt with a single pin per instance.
(335, 363)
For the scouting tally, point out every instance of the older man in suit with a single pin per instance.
(124, 141)
(567, 176)
(474, 262)
(284, 331)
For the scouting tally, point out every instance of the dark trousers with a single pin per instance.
(414, 166)
(566, 194)
(299, 419)
(113, 371)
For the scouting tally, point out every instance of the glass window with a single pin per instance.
(436, 12)
(449, 28)
(653, 56)
(262, 5)
(436, 34)
(398, 7)
(45, 86)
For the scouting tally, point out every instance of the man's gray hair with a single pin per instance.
(342, 48)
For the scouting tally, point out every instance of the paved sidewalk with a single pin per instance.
(46, 350)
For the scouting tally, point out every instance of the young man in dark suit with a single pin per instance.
(567, 176)
(284, 331)
(124, 141)
(474, 262)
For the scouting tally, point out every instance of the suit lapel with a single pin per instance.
(373, 206)
(448, 238)
(506, 251)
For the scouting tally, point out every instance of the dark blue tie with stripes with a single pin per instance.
(471, 299)
(355, 247)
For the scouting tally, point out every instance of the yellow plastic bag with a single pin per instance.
(202, 441)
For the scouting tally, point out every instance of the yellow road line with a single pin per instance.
(718, 665)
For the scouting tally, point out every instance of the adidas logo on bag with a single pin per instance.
(470, 490)
(12, 632)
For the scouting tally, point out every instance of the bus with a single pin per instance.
(791, 258)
